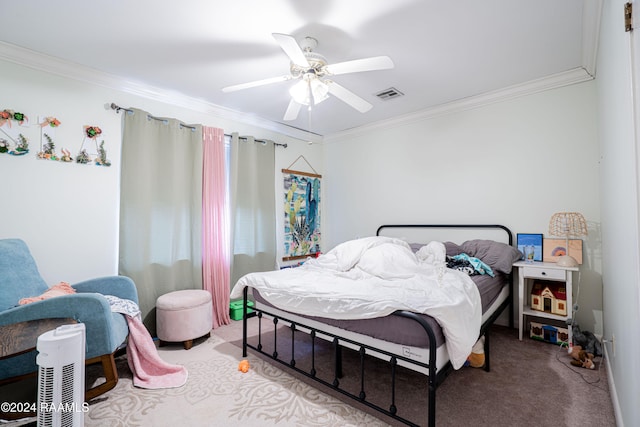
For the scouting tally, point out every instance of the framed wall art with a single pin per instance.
(554, 248)
(531, 245)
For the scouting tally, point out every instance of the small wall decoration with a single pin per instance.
(554, 248)
(12, 140)
(91, 151)
(530, 245)
(301, 214)
(48, 126)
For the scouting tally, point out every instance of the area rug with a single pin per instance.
(218, 394)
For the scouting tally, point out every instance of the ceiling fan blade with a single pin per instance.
(256, 83)
(292, 110)
(357, 65)
(348, 97)
(291, 48)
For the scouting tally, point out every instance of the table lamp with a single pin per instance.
(567, 224)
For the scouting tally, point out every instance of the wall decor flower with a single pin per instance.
(92, 131)
(7, 115)
(50, 121)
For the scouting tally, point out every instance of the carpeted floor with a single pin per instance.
(530, 384)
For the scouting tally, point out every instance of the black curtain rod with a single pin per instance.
(117, 109)
(262, 141)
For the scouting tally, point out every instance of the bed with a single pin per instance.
(407, 336)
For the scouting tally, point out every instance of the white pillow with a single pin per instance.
(389, 261)
(434, 253)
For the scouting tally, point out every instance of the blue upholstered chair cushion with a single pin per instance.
(19, 278)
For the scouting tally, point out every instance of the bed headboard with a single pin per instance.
(457, 233)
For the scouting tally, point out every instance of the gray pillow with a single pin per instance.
(453, 248)
(499, 256)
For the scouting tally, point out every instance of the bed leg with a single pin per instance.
(244, 322)
(432, 401)
(337, 350)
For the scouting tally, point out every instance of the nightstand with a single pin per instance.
(528, 273)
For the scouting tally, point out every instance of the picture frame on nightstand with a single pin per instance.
(555, 248)
(531, 239)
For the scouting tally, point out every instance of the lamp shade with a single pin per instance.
(309, 91)
(567, 225)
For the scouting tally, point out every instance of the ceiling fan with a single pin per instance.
(313, 72)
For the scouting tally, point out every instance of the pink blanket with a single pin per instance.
(149, 370)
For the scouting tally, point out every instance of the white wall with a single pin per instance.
(513, 163)
(620, 233)
(68, 213)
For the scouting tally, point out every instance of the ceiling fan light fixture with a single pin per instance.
(309, 91)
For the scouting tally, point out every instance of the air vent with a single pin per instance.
(390, 93)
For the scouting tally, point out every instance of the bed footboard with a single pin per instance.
(434, 378)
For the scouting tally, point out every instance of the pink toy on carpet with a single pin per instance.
(149, 370)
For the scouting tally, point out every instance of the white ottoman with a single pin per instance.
(182, 316)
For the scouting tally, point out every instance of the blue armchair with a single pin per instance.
(106, 331)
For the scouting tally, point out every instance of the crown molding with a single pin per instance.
(591, 14)
(49, 64)
(576, 75)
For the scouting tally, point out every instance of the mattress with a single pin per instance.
(396, 334)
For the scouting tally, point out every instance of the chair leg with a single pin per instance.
(188, 344)
(110, 374)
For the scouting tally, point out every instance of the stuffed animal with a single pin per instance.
(587, 340)
(476, 358)
(581, 358)
(243, 366)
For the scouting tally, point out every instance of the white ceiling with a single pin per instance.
(444, 51)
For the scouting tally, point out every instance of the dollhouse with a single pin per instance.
(550, 297)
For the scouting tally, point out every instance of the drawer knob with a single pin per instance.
(544, 273)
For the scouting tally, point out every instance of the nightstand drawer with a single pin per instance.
(544, 273)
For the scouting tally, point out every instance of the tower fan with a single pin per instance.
(60, 362)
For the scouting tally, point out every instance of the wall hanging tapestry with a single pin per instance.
(301, 213)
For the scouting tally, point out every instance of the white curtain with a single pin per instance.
(252, 185)
(160, 207)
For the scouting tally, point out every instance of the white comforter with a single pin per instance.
(373, 277)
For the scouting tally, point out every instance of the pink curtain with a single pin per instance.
(215, 234)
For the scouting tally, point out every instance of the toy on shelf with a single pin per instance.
(550, 297)
(549, 333)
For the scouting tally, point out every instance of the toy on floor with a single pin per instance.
(581, 358)
(587, 340)
(243, 366)
(476, 358)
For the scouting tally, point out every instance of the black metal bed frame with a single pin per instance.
(435, 376)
